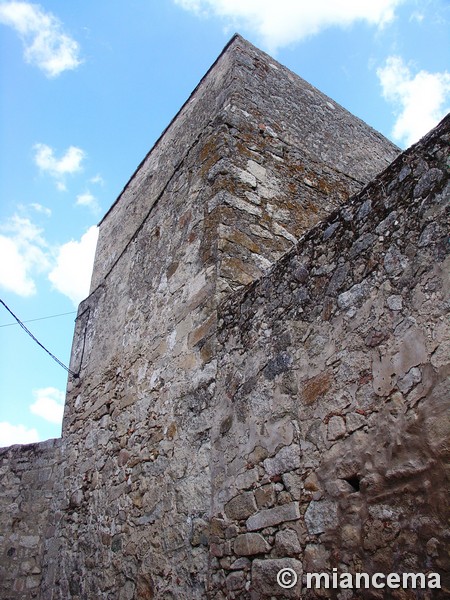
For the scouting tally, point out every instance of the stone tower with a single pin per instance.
(254, 361)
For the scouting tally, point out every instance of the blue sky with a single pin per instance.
(86, 89)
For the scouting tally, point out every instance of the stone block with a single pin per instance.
(265, 496)
(316, 558)
(257, 455)
(257, 170)
(311, 483)
(247, 479)
(395, 302)
(353, 297)
(241, 506)
(235, 581)
(277, 365)
(336, 428)
(264, 578)
(320, 516)
(315, 387)
(241, 563)
(287, 459)
(354, 421)
(273, 516)
(249, 544)
(200, 532)
(287, 543)
(412, 377)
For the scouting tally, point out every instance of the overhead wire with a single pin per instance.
(25, 328)
(72, 312)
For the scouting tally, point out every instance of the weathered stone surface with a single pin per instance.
(235, 580)
(287, 459)
(427, 181)
(265, 496)
(248, 544)
(273, 516)
(316, 559)
(321, 516)
(294, 484)
(241, 507)
(360, 382)
(287, 543)
(264, 578)
(336, 428)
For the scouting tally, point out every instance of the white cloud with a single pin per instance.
(41, 209)
(287, 21)
(98, 179)
(16, 434)
(89, 200)
(422, 99)
(45, 43)
(85, 199)
(27, 255)
(72, 274)
(68, 164)
(48, 404)
(69, 266)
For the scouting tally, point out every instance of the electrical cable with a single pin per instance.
(72, 312)
(61, 364)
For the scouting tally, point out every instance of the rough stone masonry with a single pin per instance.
(263, 364)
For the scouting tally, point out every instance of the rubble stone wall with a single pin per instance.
(27, 475)
(330, 446)
(218, 200)
(137, 420)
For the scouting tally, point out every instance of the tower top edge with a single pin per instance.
(236, 38)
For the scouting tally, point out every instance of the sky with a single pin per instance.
(87, 87)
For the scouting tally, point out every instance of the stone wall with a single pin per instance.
(330, 443)
(244, 397)
(140, 410)
(27, 475)
(231, 196)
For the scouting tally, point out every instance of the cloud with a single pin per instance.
(27, 255)
(287, 21)
(422, 99)
(417, 16)
(48, 404)
(16, 434)
(72, 274)
(98, 179)
(87, 199)
(68, 164)
(41, 209)
(45, 43)
(69, 266)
